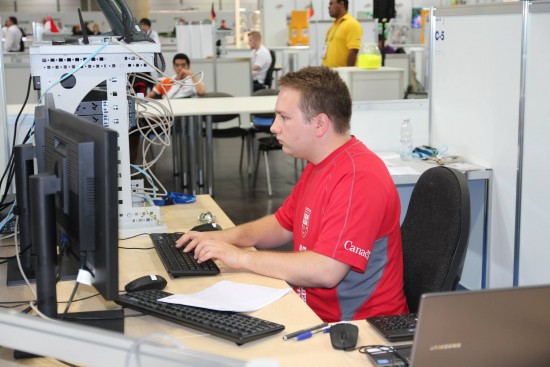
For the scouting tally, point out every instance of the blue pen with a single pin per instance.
(309, 334)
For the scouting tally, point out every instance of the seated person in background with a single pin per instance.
(261, 59)
(190, 87)
(5, 29)
(95, 29)
(76, 30)
(13, 37)
(342, 215)
(88, 30)
(145, 25)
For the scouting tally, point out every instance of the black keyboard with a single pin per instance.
(395, 328)
(177, 262)
(233, 326)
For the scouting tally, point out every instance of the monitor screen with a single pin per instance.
(74, 203)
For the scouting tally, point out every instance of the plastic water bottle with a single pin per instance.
(406, 140)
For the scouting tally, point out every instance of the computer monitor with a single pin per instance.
(74, 204)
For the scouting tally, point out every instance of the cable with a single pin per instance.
(137, 235)
(9, 171)
(135, 248)
(14, 256)
(16, 241)
(157, 69)
(393, 351)
(70, 301)
(13, 304)
(142, 171)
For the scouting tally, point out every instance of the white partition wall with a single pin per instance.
(196, 39)
(489, 93)
(475, 79)
(534, 245)
(378, 123)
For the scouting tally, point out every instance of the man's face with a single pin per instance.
(180, 64)
(296, 135)
(335, 8)
(253, 42)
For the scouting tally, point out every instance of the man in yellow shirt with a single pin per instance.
(343, 37)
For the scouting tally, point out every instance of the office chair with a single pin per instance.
(231, 132)
(435, 234)
(261, 123)
(269, 74)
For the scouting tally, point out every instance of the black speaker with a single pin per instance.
(384, 9)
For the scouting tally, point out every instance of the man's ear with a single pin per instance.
(322, 124)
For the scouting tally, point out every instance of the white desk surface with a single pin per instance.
(420, 166)
(197, 106)
(290, 310)
(220, 106)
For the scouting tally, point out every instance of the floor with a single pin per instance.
(233, 189)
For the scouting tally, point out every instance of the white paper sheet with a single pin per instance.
(230, 296)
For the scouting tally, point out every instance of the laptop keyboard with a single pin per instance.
(178, 263)
(395, 328)
(237, 327)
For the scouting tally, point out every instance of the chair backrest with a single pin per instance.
(435, 233)
(221, 118)
(269, 74)
(262, 121)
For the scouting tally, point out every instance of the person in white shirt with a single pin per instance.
(261, 59)
(190, 87)
(13, 36)
(145, 25)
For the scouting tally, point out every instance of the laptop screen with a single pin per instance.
(490, 328)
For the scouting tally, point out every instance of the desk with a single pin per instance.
(196, 107)
(289, 310)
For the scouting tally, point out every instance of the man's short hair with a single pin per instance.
(321, 91)
(145, 21)
(255, 34)
(13, 20)
(181, 56)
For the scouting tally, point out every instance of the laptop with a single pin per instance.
(506, 327)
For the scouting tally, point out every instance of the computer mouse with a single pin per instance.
(146, 282)
(344, 336)
(205, 227)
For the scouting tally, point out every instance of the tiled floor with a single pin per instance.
(233, 190)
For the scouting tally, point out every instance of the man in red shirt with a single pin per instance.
(342, 215)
